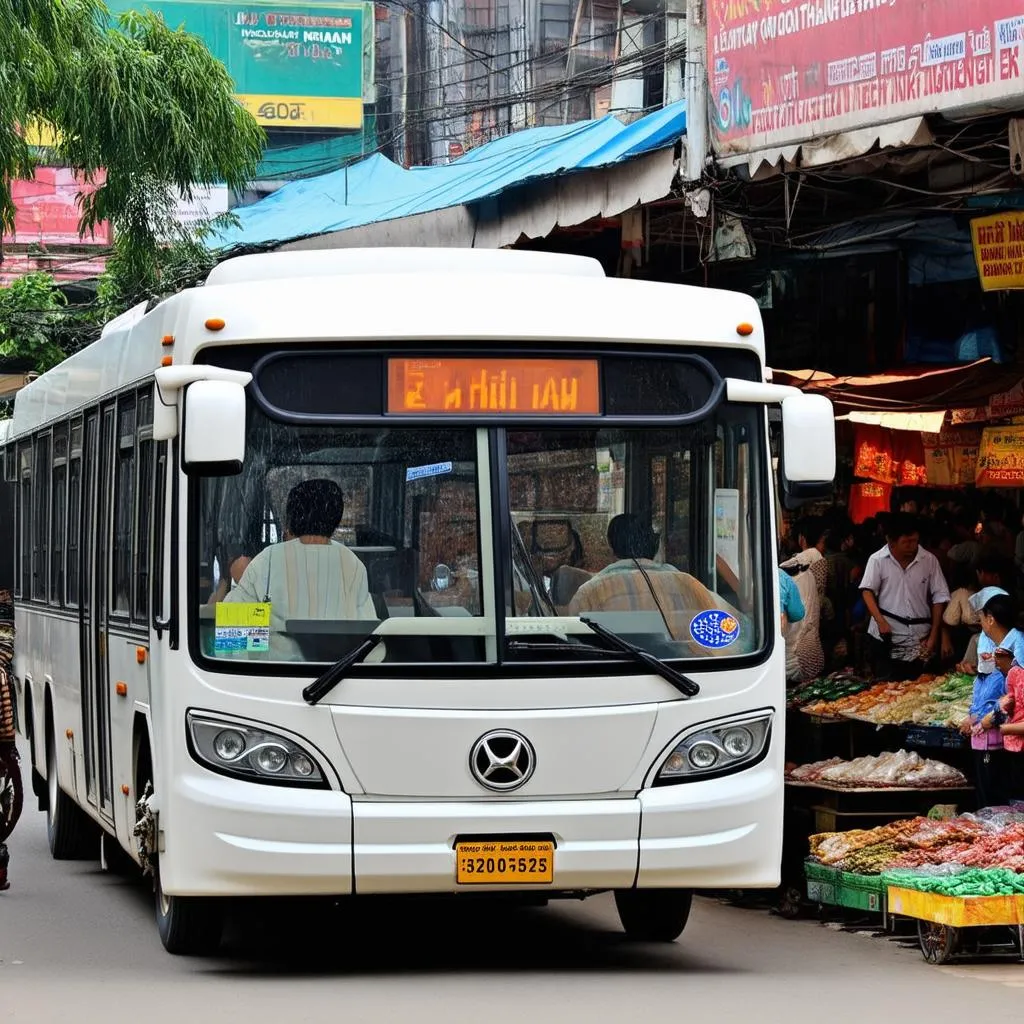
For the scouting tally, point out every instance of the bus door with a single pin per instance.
(97, 474)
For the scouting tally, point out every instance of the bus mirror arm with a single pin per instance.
(172, 380)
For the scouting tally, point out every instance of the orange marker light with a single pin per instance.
(122, 689)
(166, 361)
(140, 655)
(744, 330)
(167, 339)
(215, 324)
(70, 733)
(126, 790)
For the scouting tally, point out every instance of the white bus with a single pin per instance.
(410, 571)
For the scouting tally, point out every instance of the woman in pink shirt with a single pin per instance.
(1012, 729)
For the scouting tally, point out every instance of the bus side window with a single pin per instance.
(143, 508)
(58, 524)
(74, 517)
(124, 505)
(40, 524)
(159, 527)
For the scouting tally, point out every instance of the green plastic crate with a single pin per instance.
(861, 892)
(822, 882)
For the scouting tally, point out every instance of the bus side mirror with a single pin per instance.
(808, 463)
(214, 428)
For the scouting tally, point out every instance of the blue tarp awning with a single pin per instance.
(375, 189)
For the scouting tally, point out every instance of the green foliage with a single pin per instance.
(150, 108)
(147, 104)
(32, 312)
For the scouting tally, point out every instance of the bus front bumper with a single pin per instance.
(230, 838)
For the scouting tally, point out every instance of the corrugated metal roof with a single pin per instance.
(375, 189)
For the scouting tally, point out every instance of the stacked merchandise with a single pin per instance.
(958, 881)
(823, 691)
(899, 770)
(993, 838)
(929, 701)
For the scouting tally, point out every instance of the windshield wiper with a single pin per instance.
(323, 684)
(687, 687)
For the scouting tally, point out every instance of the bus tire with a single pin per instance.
(188, 925)
(70, 832)
(653, 915)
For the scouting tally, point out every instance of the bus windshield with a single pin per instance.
(486, 545)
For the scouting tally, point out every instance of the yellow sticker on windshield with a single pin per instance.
(241, 627)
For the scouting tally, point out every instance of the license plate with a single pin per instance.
(505, 863)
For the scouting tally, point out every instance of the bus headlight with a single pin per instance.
(716, 748)
(246, 752)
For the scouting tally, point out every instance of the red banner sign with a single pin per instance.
(47, 210)
(786, 71)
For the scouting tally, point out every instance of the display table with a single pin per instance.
(941, 920)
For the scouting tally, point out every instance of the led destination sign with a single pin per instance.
(494, 386)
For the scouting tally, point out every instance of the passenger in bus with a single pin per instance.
(308, 576)
(636, 582)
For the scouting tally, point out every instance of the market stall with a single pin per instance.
(862, 754)
(949, 875)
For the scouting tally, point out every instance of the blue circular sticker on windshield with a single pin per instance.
(715, 629)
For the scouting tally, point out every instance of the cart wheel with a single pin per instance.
(938, 941)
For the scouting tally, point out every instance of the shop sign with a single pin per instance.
(1007, 403)
(961, 416)
(47, 209)
(295, 65)
(207, 202)
(889, 456)
(867, 500)
(787, 71)
(999, 250)
(951, 457)
(1001, 458)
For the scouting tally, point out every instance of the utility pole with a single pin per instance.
(695, 85)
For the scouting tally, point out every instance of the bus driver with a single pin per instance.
(308, 576)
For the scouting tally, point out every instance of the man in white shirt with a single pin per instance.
(905, 593)
(309, 575)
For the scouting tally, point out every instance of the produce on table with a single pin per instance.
(900, 769)
(833, 687)
(972, 882)
(942, 701)
(990, 839)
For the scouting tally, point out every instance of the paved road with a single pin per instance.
(77, 944)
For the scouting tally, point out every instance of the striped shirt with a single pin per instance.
(304, 581)
(622, 587)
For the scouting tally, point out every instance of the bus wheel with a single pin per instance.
(653, 915)
(70, 832)
(188, 925)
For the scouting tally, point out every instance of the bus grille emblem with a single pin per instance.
(502, 760)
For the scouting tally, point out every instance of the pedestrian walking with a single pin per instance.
(11, 794)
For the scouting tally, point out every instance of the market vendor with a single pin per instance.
(1012, 725)
(905, 593)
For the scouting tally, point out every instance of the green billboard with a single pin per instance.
(299, 65)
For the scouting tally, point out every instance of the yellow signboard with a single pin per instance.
(999, 250)
(304, 111)
(1001, 457)
(41, 134)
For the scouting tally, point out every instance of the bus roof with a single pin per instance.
(276, 266)
(447, 303)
